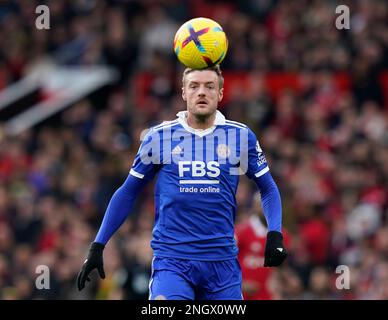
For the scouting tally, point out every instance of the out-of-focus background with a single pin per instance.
(75, 98)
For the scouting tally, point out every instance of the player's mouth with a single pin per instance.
(202, 102)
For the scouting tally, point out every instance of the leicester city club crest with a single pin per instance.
(223, 151)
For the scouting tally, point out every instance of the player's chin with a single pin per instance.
(204, 110)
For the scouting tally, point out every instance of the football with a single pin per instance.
(200, 43)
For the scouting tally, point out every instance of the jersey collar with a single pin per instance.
(182, 119)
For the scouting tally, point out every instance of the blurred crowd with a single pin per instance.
(327, 148)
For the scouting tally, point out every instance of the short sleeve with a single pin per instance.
(257, 163)
(147, 160)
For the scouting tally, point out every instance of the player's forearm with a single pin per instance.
(119, 208)
(271, 202)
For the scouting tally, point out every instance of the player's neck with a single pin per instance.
(201, 122)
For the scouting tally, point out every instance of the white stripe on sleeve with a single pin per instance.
(136, 174)
(261, 172)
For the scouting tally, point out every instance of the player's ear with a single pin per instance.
(221, 94)
(183, 94)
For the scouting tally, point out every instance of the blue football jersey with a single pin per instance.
(197, 177)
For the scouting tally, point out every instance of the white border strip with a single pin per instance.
(151, 279)
(260, 173)
(236, 123)
(167, 123)
(136, 174)
(199, 181)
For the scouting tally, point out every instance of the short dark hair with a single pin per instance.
(215, 68)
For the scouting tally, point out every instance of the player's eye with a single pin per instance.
(210, 86)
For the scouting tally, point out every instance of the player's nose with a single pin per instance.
(201, 91)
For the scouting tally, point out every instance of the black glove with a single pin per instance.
(275, 253)
(93, 261)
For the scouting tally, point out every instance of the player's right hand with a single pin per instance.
(93, 261)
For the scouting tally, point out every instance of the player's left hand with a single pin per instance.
(275, 252)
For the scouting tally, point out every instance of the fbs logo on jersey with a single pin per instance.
(199, 168)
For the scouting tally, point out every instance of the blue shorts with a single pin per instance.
(181, 279)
